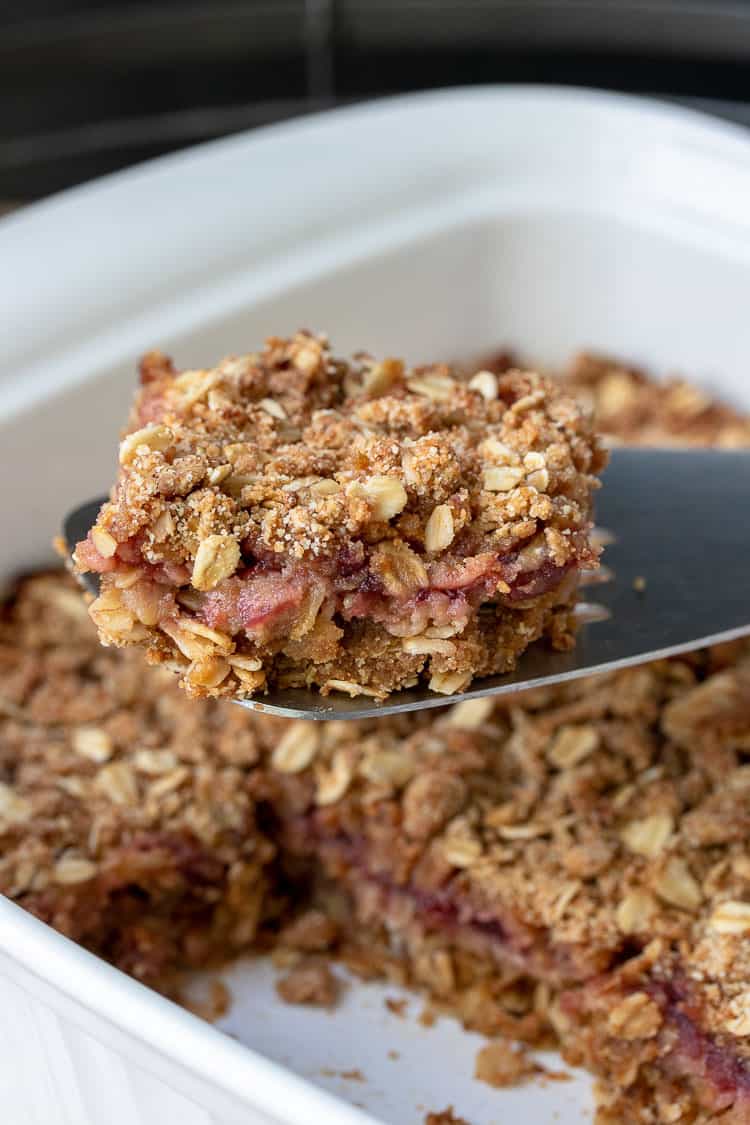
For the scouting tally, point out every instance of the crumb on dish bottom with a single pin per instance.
(639, 1027)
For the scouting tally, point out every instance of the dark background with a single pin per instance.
(88, 86)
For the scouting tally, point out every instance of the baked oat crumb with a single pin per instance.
(311, 932)
(445, 1117)
(210, 1004)
(397, 1007)
(503, 1063)
(310, 982)
(352, 1075)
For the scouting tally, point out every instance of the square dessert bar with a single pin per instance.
(291, 519)
(126, 821)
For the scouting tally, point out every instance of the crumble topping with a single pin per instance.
(589, 815)
(513, 847)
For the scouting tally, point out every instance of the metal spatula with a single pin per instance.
(678, 571)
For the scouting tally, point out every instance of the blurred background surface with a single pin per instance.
(89, 86)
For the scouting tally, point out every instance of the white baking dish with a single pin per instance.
(432, 226)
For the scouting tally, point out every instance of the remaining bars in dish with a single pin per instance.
(593, 840)
(290, 519)
(125, 817)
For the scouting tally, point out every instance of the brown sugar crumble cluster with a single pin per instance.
(568, 867)
(289, 519)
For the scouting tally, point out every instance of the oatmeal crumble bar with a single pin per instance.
(125, 817)
(291, 519)
(576, 859)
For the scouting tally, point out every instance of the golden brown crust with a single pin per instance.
(289, 519)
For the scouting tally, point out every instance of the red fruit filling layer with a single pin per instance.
(262, 598)
(449, 909)
(698, 1053)
(718, 1074)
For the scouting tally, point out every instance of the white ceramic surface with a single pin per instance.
(431, 226)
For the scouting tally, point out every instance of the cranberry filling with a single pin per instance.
(468, 573)
(533, 584)
(513, 940)
(265, 597)
(129, 554)
(449, 910)
(89, 557)
(695, 1049)
(260, 599)
(254, 601)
